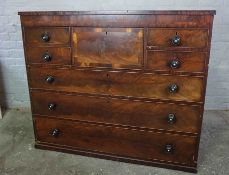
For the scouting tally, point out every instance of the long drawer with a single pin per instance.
(117, 141)
(118, 83)
(162, 116)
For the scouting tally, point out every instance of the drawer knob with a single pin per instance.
(52, 106)
(173, 88)
(55, 132)
(47, 57)
(49, 79)
(45, 37)
(169, 148)
(174, 64)
(176, 40)
(171, 118)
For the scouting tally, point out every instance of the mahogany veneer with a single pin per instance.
(120, 85)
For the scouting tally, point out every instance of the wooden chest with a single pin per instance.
(121, 85)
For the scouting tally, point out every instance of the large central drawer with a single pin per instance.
(117, 141)
(118, 83)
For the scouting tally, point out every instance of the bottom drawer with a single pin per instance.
(118, 141)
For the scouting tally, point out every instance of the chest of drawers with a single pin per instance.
(120, 85)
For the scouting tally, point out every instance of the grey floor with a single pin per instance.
(18, 156)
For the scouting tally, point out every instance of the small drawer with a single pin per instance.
(48, 55)
(156, 86)
(162, 116)
(177, 38)
(176, 61)
(45, 36)
(117, 141)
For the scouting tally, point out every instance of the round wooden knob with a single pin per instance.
(176, 40)
(169, 148)
(174, 64)
(55, 132)
(45, 37)
(173, 88)
(49, 79)
(171, 118)
(47, 57)
(51, 106)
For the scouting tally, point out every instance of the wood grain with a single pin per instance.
(119, 20)
(155, 86)
(116, 140)
(117, 111)
(58, 36)
(189, 61)
(70, 80)
(108, 47)
(190, 38)
(60, 55)
(111, 79)
(119, 83)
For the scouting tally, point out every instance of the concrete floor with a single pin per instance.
(18, 156)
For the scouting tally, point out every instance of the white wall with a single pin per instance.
(12, 66)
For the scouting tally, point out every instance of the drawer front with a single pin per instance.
(117, 141)
(180, 38)
(48, 55)
(156, 86)
(161, 116)
(176, 61)
(69, 80)
(108, 47)
(117, 83)
(46, 36)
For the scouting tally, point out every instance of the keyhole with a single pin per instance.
(106, 33)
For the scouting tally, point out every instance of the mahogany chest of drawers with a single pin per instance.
(121, 85)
